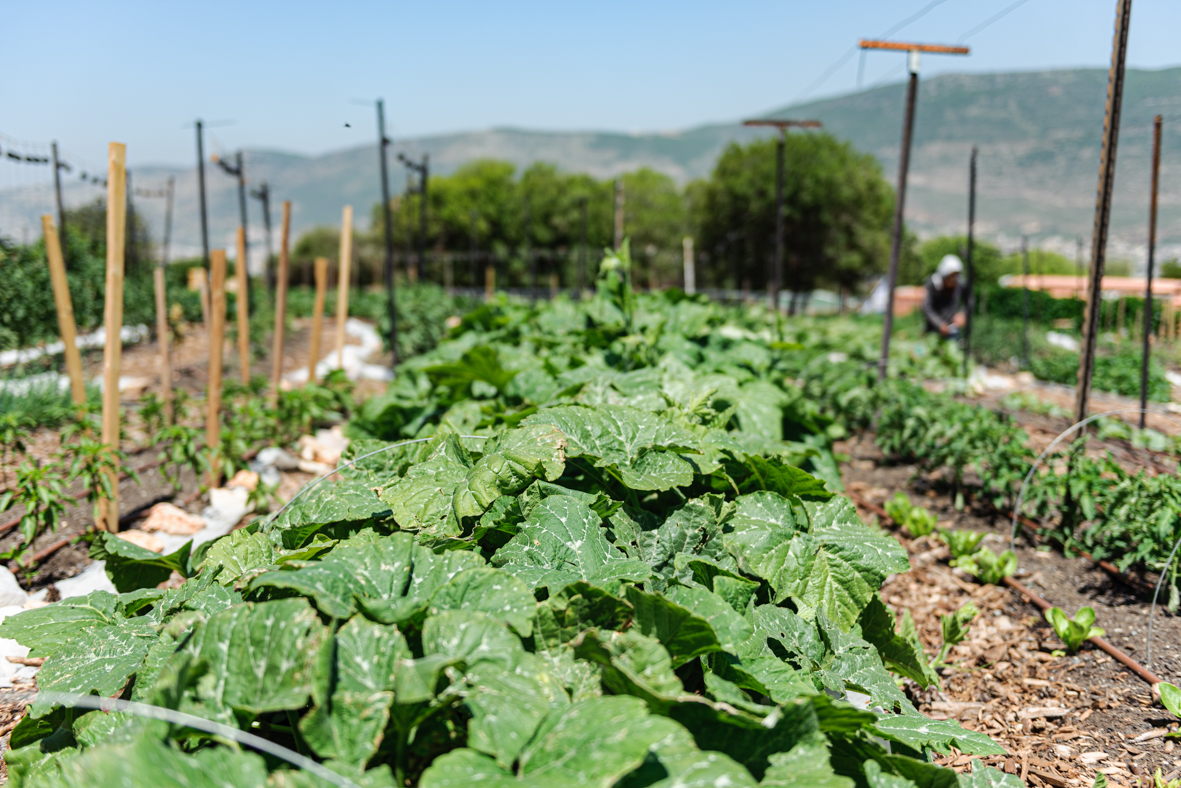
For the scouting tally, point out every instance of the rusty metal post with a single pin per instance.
(970, 290)
(1156, 127)
(1115, 94)
(899, 205)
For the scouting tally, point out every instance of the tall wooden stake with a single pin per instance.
(343, 280)
(1156, 128)
(489, 282)
(162, 341)
(243, 309)
(1115, 94)
(65, 310)
(318, 315)
(113, 322)
(690, 271)
(217, 333)
(281, 304)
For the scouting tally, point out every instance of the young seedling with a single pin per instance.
(95, 464)
(13, 431)
(961, 544)
(151, 413)
(39, 490)
(988, 567)
(1170, 697)
(183, 448)
(917, 520)
(955, 631)
(1074, 632)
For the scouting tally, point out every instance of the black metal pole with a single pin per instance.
(201, 197)
(582, 247)
(899, 205)
(241, 173)
(970, 290)
(473, 257)
(383, 143)
(168, 220)
(129, 226)
(424, 173)
(264, 195)
(57, 191)
(777, 268)
(1115, 93)
(1156, 129)
(1025, 303)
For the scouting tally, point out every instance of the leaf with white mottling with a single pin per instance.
(562, 542)
(491, 591)
(99, 660)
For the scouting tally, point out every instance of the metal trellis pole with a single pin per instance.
(1115, 92)
(1156, 129)
(382, 143)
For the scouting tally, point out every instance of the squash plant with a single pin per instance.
(620, 557)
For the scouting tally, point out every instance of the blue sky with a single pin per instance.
(287, 74)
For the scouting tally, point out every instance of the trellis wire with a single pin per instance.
(148, 711)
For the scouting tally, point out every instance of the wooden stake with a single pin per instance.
(553, 286)
(162, 341)
(489, 282)
(113, 322)
(217, 332)
(343, 280)
(318, 315)
(1121, 313)
(65, 309)
(281, 304)
(243, 309)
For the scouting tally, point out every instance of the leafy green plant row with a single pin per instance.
(637, 571)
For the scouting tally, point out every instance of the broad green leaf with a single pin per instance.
(44, 630)
(595, 742)
(260, 655)
(900, 653)
(130, 566)
(920, 733)
(730, 628)
(346, 501)
(689, 531)
(725, 582)
(804, 766)
(149, 763)
(473, 637)
(685, 634)
(351, 728)
(379, 569)
(641, 447)
(837, 524)
(463, 768)
(491, 591)
(876, 778)
(983, 776)
(860, 667)
(563, 542)
(423, 500)
(701, 769)
(575, 609)
(748, 739)
(506, 707)
(99, 660)
(800, 567)
(777, 476)
(237, 553)
(633, 664)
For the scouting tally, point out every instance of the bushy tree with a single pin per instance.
(837, 210)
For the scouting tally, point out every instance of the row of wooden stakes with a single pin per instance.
(214, 302)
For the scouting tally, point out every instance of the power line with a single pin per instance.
(843, 59)
(990, 20)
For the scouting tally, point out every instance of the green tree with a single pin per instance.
(837, 210)
(987, 261)
(655, 219)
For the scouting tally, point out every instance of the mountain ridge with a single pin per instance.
(1037, 132)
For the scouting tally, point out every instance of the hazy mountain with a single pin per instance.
(1038, 135)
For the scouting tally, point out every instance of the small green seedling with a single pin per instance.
(988, 567)
(1159, 781)
(961, 543)
(1073, 632)
(955, 631)
(917, 520)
